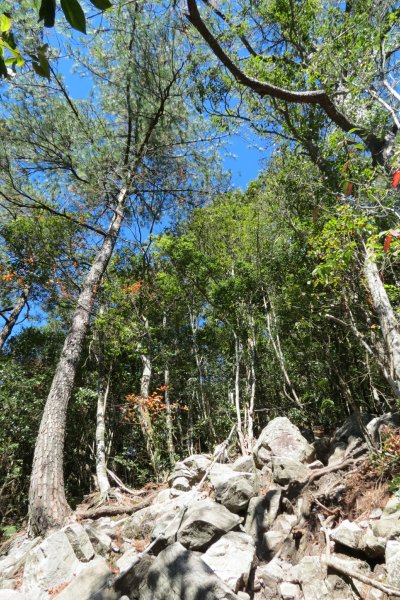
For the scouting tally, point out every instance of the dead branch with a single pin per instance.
(390, 591)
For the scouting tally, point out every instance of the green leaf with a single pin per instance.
(101, 4)
(39, 70)
(74, 14)
(5, 23)
(47, 12)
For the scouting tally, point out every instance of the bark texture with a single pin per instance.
(48, 506)
(387, 319)
(13, 317)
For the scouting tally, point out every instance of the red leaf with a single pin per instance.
(388, 241)
(396, 179)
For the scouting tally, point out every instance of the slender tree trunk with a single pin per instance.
(144, 414)
(168, 418)
(203, 398)
(13, 317)
(103, 389)
(387, 318)
(251, 342)
(238, 350)
(48, 506)
(276, 345)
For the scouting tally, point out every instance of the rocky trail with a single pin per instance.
(298, 520)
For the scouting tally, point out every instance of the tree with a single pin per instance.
(114, 165)
(304, 59)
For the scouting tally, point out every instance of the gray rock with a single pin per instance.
(88, 581)
(13, 595)
(262, 512)
(130, 581)
(287, 470)
(80, 542)
(312, 574)
(204, 522)
(100, 540)
(181, 483)
(192, 468)
(10, 564)
(392, 560)
(281, 438)
(244, 464)
(178, 574)
(388, 526)
(233, 489)
(143, 522)
(275, 537)
(48, 565)
(231, 558)
(127, 559)
(347, 533)
(289, 591)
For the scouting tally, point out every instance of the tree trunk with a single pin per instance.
(238, 350)
(13, 318)
(251, 342)
(168, 418)
(48, 506)
(387, 318)
(205, 406)
(144, 415)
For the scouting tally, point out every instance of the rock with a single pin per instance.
(127, 559)
(281, 438)
(51, 563)
(275, 537)
(181, 483)
(312, 574)
(10, 564)
(92, 577)
(231, 558)
(347, 533)
(392, 560)
(245, 464)
(204, 522)
(100, 540)
(289, 591)
(129, 582)
(192, 468)
(243, 596)
(388, 526)
(160, 514)
(80, 542)
(315, 465)
(288, 470)
(351, 429)
(233, 489)
(262, 512)
(13, 595)
(267, 577)
(178, 574)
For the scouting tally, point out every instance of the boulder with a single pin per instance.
(262, 512)
(130, 581)
(204, 522)
(181, 483)
(10, 564)
(126, 561)
(178, 573)
(231, 558)
(289, 591)
(50, 564)
(99, 539)
(244, 464)
(388, 526)
(287, 470)
(392, 559)
(192, 468)
(80, 542)
(281, 438)
(13, 595)
(275, 537)
(158, 515)
(233, 489)
(91, 578)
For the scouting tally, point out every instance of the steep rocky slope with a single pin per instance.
(295, 521)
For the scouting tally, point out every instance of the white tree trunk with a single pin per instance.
(387, 319)
(238, 350)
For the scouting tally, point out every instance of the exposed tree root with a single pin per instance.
(331, 563)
